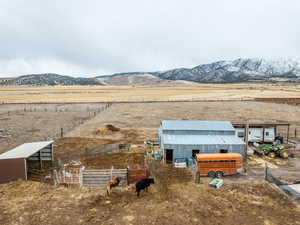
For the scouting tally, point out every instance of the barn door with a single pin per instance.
(194, 152)
(169, 155)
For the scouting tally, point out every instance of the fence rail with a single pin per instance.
(99, 178)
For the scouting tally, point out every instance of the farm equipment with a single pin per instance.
(272, 151)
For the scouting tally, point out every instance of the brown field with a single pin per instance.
(62, 94)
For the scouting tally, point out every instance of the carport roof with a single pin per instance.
(25, 150)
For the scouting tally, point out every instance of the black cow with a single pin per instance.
(143, 184)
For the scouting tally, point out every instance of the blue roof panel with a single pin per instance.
(208, 125)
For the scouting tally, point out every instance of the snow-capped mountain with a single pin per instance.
(235, 71)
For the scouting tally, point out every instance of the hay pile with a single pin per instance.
(107, 129)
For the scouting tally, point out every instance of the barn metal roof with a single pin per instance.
(201, 139)
(209, 125)
(25, 150)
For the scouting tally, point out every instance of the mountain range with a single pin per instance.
(239, 70)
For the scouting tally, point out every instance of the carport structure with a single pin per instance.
(17, 163)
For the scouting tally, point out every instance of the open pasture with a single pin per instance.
(63, 94)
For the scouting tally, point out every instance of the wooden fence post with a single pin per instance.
(111, 172)
(266, 171)
(127, 176)
(55, 178)
(288, 134)
(80, 177)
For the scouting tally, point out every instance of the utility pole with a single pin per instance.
(288, 134)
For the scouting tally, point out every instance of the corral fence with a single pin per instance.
(38, 175)
(99, 178)
(67, 176)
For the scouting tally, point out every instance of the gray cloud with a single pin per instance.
(98, 37)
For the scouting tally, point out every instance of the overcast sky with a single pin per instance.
(85, 37)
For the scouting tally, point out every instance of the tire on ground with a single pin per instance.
(211, 174)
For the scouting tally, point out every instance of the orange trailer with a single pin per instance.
(219, 164)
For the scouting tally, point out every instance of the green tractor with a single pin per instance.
(273, 151)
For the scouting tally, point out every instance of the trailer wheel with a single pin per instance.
(211, 174)
(219, 174)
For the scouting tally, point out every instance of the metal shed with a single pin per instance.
(262, 132)
(184, 139)
(16, 163)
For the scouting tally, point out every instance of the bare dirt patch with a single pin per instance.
(117, 160)
(73, 148)
(83, 150)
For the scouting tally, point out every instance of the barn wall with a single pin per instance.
(12, 169)
(185, 151)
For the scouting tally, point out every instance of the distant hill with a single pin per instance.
(239, 70)
(139, 79)
(53, 79)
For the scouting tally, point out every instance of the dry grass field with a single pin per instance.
(62, 94)
(144, 118)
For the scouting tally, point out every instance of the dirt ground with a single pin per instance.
(144, 118)
(27, 203)
(72, 148)
(117, 160)
(83, 150)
